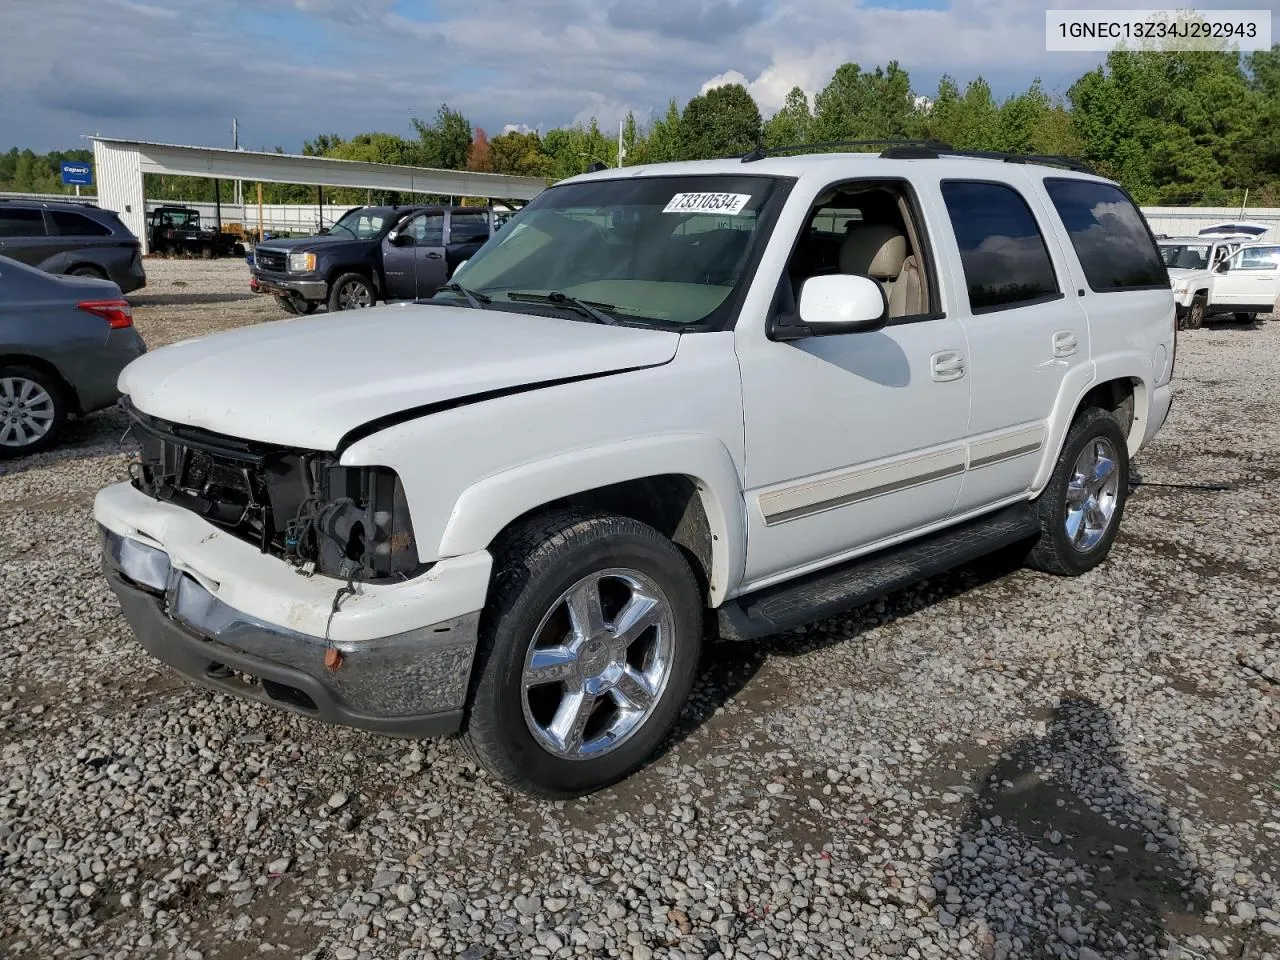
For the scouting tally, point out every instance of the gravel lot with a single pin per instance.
(995, 764)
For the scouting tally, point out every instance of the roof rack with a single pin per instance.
(915, 152)
(761, 151)
(70, 201)
(904, 148)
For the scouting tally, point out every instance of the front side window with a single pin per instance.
(1005, 260)
(21, 223)
(660, 251)
(1257, 258)
(1109, 236)
(77, 225)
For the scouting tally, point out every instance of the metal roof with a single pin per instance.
(227, 164)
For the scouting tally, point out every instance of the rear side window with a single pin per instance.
(1005, 260)
(468, 226)
(77, 225)
(21, 223)
(1109, 235)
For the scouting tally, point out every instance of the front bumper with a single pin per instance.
(412, 682)
(279, 286)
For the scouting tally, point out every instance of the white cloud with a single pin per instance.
(516, 128)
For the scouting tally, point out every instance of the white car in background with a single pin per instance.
(1191, 262)
(1248, 282)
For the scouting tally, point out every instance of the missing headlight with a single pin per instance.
(353, 523)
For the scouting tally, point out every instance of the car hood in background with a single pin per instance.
(309, 381)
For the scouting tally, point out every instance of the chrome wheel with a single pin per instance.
(599, 663)
(354, 294)
(1092, 494)
(27, 412)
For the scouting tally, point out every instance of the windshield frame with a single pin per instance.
(725, 315)
(390, 216)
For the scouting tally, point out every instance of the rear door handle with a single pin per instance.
(433, 255)
(947, 365)
(1065, 344)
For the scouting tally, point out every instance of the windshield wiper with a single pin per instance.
(586, 308)
(475, 300)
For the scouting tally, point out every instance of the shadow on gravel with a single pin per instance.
(97, 435)
(728, 667)
(1061, 812)
(186, 299)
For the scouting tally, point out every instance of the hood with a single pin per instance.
(298, 244)
(1181, 273)
(308, 381)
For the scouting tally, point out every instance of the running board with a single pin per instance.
(851, 584)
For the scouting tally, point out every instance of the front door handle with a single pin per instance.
(947, 365)
(433, 255)
(1065, 344)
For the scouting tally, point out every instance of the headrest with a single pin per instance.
(874, 250)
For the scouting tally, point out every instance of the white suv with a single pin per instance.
(1191, 262)
(1248, 282)
(726, 397)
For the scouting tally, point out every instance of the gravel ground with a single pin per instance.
(995, 764)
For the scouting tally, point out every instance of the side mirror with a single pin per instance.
(842, 303)
(400, 239)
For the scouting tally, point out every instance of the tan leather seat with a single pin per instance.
(879, 251)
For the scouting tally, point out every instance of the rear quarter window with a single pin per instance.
(1111, 239)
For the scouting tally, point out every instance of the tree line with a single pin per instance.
(1174, 128)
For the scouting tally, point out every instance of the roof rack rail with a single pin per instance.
(761, 151)
(917, 152)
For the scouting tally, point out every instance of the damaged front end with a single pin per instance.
(302, 506)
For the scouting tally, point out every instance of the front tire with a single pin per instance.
(1081, 508)
(588, 648)
(1194, 319)
(32, 411)
(351, 291)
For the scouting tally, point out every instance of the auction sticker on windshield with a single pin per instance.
(729, 203)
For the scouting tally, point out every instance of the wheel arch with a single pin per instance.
(1126, 396)
(685, 487)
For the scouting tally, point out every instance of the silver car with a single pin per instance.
(63, 343)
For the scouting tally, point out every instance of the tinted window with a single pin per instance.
(468, 226)
(1109, 235)
(21, 223)
(428, 229)
(1001, 248)
(76, 225)
(1258, 258)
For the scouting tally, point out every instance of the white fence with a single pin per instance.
(304, 218)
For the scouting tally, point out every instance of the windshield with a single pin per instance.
(1185, 256)
(180, 218)
(360, 224)
(661, 251)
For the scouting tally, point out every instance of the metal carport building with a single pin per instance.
(120, 164)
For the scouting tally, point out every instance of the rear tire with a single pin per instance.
(32, 410)
(613, 692)
(88, 272)
(1194, 319)
(1083, 504)
(351, 291)
(1246, 317)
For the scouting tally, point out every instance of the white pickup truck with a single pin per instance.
(1211, 277)
(725, 397)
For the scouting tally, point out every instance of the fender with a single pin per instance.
(490, 504)
(1075, 386)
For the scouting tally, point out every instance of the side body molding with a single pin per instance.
(490, 504)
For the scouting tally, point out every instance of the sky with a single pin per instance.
(178, 71)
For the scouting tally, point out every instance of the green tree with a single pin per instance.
(444, 143)
(661, 142)
(722, 122)
(859, 105)
(792, 124)
(520, 155)
(970, 120)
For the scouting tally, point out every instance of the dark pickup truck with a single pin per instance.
(370, 254)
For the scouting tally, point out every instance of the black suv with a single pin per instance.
(78, 239)
(371, 254)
